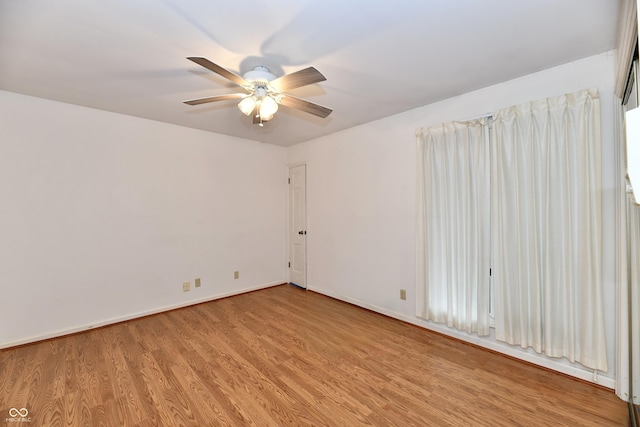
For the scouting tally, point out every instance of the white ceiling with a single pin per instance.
(380, 57)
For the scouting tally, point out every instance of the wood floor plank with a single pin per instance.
(156, 386)
(284, 356)
(202, 397)
(173, 396)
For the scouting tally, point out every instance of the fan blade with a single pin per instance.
(306, 106)
(305, 77)
(215, 98)
(219, 70)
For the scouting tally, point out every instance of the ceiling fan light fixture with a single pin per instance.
(247, 105)
(268, 107)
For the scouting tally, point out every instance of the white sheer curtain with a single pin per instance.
(547, 228)
(623, 350)
(633, 215)
(453, 244)
(627, 344)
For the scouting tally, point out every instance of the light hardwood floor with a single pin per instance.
(283, 356)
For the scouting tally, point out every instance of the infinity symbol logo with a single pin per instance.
(13, 412)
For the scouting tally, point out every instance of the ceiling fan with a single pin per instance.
(264, 91)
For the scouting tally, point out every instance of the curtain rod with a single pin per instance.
(483, 116)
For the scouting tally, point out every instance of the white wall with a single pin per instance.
(104, 216)
(361, 200)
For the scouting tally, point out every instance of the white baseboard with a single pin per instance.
(515, 352)
(83, 328)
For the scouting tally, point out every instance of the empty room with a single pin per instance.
(324, 213)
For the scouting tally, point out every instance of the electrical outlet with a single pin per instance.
(403, 294)
(185, 286)
(236, 274)
(197, 282)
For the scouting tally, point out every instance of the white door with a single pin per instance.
(298, 226)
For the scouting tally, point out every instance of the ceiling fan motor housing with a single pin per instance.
(259, 76)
